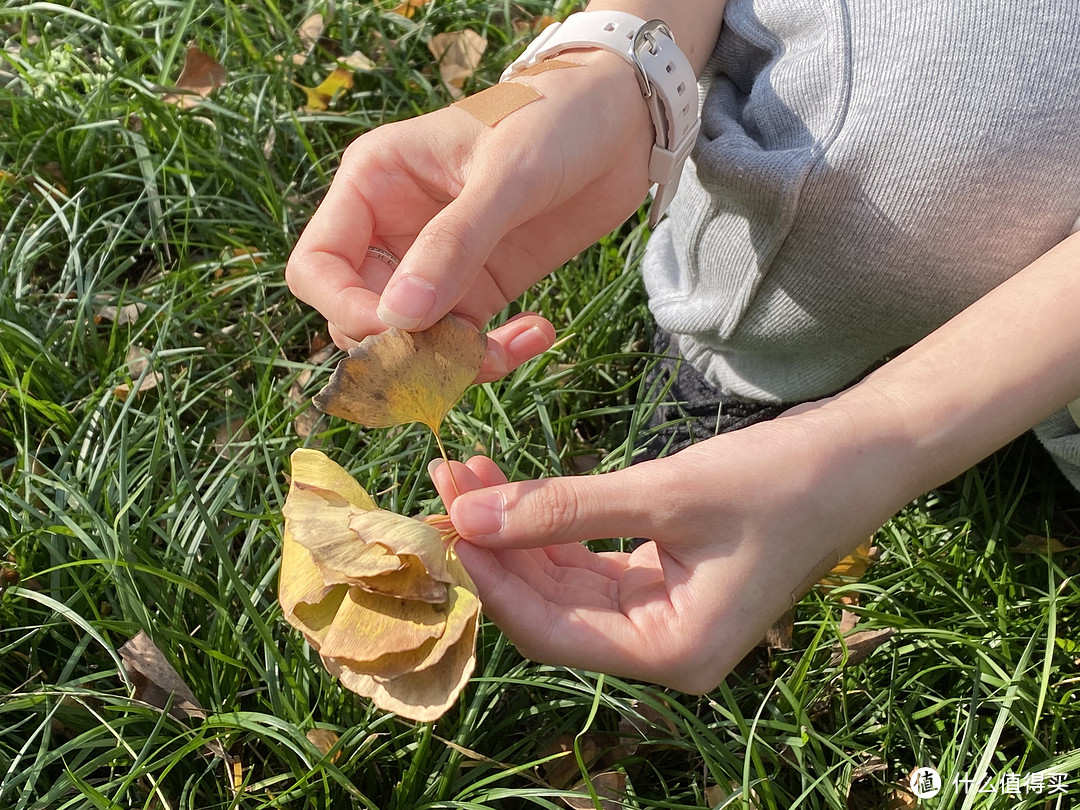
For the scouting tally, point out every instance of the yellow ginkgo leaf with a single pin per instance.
(370, 625)
(411, 581)
(851, 568)
(316, 470)
(381, 597)
(319, 98)
(406, 536)
(397, 377)
(426, 693)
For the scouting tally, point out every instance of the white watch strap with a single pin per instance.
(664, 74)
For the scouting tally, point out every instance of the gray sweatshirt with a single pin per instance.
(866, 169)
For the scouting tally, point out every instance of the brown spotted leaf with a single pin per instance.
(397, 377)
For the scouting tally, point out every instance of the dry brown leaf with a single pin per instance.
(848, 620)
(143, 378)
(1039, 545)
(859, 646)
(310, 30)
(307, 417)
(779, 636)
(9, 573)
(533, 25)
(156, 681)
(319, 98)
(324, 740)
(122, 316)
(397, 377)
(357, 61)
(199, 76)
(610, 787)
(382, 597)
(562, 772)
(233, 438)
(458, 54)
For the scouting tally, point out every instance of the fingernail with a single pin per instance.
(529, 342)
(433, 465)
(479, 514)
(406, 302)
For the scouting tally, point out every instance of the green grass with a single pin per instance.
(161, 511)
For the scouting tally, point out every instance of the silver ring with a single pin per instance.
(384, 255)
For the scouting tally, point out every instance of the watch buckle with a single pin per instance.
(645, 37)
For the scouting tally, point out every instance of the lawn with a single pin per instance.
(156, 373)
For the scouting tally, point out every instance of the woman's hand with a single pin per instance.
(476, 213)
(740, 526)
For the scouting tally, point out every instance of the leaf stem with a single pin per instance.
(446, 458)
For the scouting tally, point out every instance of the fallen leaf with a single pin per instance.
(121, 316)
(319, 98)
(1037, 544)
(199, 76)
(9, 573)
(324, 739)
(233, 439)
(563, 771)
(307, 417)
(156, 681)
(408, 8)
(848, 620)
(533, 25)
(610, 787)
(858, 646)
(852, 567)
(779, 636)
(143, 378)
(458, 54)
(357, 61)
(381, 597)
(397, 377)
(310, 30)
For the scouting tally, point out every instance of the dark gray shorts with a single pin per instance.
(689, 408)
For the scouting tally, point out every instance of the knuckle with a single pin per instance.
(452, 234)
(557, 511)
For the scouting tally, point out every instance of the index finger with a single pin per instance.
(330, 268)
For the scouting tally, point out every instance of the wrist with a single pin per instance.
(665, 78)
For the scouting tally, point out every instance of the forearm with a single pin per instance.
(993, 371)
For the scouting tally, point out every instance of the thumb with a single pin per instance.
(443, 262)
(562, 510)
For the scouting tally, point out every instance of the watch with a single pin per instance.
(664, 74)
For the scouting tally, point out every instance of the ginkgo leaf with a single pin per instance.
(426, 693)
(319, 98)
(316, 470)
(406, 536)
(396, 377)
(852, 567)
(382, 598)
(323, 529)
(370, 625)
(411, 581)
(314, 617)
